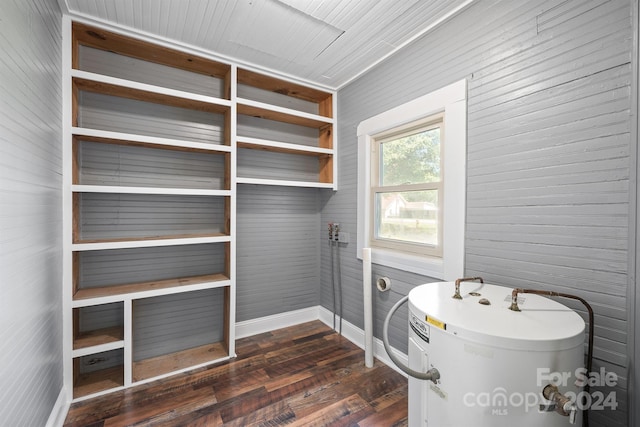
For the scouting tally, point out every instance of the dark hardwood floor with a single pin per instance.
(306, 375)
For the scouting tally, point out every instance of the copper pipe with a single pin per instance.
(514, 307)
(464, 279)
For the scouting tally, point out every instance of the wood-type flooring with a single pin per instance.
(305, 375)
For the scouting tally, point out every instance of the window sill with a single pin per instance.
(425, 265)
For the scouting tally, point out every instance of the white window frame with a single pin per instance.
(427, 123)
(452, 101)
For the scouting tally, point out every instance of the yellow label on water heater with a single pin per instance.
(435, 322)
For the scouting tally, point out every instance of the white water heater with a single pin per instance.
(493, 362)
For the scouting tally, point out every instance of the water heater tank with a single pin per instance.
(493, 362)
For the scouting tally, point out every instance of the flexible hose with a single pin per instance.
(430, 375)
(339, 286)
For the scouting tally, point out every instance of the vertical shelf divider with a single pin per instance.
(128, 342)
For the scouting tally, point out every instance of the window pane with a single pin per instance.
(412, 159)
(409, 216)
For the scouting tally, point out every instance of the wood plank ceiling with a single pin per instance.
(325, 42)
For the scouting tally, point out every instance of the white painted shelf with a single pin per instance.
(124, 138)
(148, 242)
(122, 296)
(107, 81)
(147, 190)
(282, 114)
(281, 147)
(285, 183)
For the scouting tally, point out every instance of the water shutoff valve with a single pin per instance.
(561, 403)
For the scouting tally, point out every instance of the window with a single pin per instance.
(406, 188)
(411, 184)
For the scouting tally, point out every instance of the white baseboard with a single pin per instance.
(261, 325)
(59, 411)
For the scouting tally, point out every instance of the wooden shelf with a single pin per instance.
(145, 242)
(109, 137)
(273, 84)
(281, 182)
(147, 190)
(172, 362)
(109, 291)
(282, 147)
(281, 114)
(133, 241)
(105, 40)
(98, 337)
(94, 382)
(150, 90)
(107, 87)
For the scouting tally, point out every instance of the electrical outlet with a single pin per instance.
(344, 237)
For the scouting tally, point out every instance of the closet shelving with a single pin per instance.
(293, 120)
(156, 139)
(151, 203)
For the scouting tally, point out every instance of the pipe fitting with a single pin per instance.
(457, 295)
(563, 405)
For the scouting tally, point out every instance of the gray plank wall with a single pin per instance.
(548, 157)
(278, 242)
(30, 211)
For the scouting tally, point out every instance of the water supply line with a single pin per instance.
(514, 307)
(334, 230)
(339, 273)
(333, 281)
(431, 375)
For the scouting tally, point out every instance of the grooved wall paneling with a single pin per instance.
(30, 211)
(111, 113)
(123, 266)
(121, 165)
(124, 67)
(278, 231)
(549, 98)
(170, 323)
(284, 132)
(100, 316)
(112, 216)
(273, 98)
(268, 165)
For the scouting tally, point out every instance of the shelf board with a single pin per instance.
(273, 84)
(98, 337)
(112, 42)
(79, 188)
(164, 364)
(281, 182)
(109, 137)
(117, 87)
(150, 286)
(282, 147)
(94, 382)
(281, 114)
(148, 242)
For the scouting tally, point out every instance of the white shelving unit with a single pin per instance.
(156, 140)
(297, 123)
